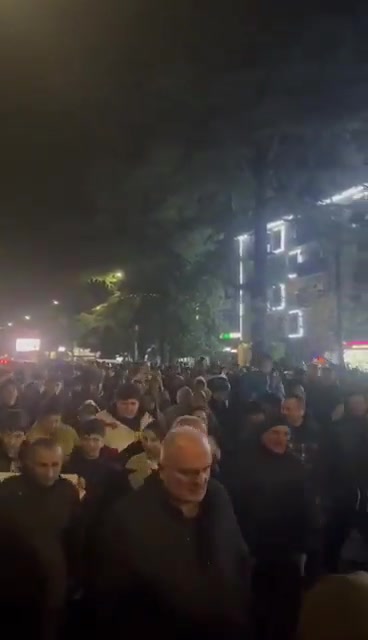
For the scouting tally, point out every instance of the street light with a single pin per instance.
(119, 274)
(55, 302)
(10, 324)
(27, 317)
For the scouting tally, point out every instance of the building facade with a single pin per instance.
(301, 305)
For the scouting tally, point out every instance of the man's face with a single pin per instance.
(9, 394)
(186, 479)
(44, 465)
(12, 441)
(293, 410)
(357, 406)
(52, 422)
(127, 408)
(92, 445)
(276, 439)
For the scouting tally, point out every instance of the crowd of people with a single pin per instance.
(184, 502)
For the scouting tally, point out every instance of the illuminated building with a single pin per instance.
(301, 277)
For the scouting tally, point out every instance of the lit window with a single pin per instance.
(277, 297)
(276, 236)
(296, 329)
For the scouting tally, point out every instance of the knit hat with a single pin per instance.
(218, 384)
(270, 423)
(93, 427)
(129, 391)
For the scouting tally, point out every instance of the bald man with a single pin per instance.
(175, 546)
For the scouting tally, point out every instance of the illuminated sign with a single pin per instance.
(24, 345)
(229, 336)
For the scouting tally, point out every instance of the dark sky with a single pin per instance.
(85, 84)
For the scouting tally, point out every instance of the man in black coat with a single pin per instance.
(44, 508)
(279, 522)
(173, 555)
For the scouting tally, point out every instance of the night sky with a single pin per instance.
(87, 88)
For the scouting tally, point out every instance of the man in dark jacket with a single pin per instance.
(173, 550)
(103, 479)
(304, 433)
(278, 521)
(44, 507)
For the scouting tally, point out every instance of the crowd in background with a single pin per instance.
(187, 502)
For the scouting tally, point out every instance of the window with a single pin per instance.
(295, 324)
(276, 240)
(276, 297)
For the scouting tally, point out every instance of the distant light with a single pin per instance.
(55, 302)
(227, 349)
(292, 275)
(61, 349)
(10, 324)
(118, 274)
(27, 317)
(230, 336)
(197, 317)
(27, 344)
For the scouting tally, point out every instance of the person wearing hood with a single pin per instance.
(125, 421)
(278, 522)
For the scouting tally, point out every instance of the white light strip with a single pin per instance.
(282, 305)
(300, 332)
(241, 283)
(298, 253)
(292, 275)
(355, 193)
(279, 225)
(276, 224)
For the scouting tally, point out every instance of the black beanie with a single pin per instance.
(92, 427)
(129, 391)
(266, 425)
